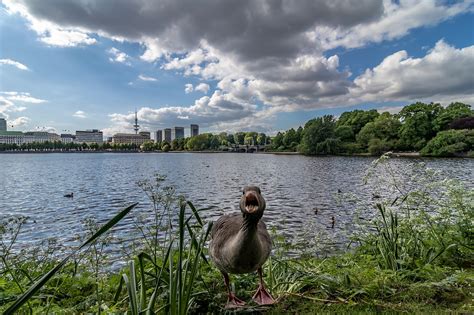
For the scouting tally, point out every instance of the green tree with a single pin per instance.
(290, 139)
(230, 139)
(299, 134)
(239, 137)
(277, 141)
(213, 141)
(417, 124)
(148, 146)
(451, 113)
(319, 136)
(385, 128)
(344, 133)
(357, 119)
(261, 139)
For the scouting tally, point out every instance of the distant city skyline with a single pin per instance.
(193, 130)
(288, 62)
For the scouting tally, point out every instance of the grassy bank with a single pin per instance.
(415, 255)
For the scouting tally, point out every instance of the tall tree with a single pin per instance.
(417, 124)
(357, 119)
(319, 136)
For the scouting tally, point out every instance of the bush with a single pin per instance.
(450, 143)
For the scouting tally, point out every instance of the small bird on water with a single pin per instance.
(240, 243)
(71, 195)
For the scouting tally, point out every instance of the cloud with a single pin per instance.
(443, 71)
(202, 87)
(146, 78)
(9, 102)
(13, 63)
(23, 97)
(278, 54)
(49, 32)
(188, 88)
(19, 122)
(206, 111)
(79, 114)
(118, 56)
(398, 19)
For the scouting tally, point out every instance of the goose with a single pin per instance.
(240, 243)
(71, 195)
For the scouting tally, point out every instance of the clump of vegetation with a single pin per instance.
(360, 131)
(450, 143)
(414, 255)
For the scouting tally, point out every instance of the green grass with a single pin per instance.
(419, 259)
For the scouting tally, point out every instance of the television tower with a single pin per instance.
(136, 127)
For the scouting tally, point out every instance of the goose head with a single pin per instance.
(252, 203)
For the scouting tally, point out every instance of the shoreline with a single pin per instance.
(392, 154)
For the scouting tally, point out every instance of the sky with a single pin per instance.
(227, 65)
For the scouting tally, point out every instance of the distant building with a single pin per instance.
(131, 138)
(90, 136)
(40, 137)
(3, 124)
(194, 130)
(167, 136)
(12, 137)
(159, 136)
(67, 138)
(145, 134)
(177, 133)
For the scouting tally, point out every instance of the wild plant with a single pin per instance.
(426, 219)
(96, 257)
(173, 276)
(171, 256)
(41, 281)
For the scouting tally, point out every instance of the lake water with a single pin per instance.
(293, 186)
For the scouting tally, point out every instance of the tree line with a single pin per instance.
(430, 129)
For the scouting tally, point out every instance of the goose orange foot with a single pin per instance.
(234, 302)
(262, 297)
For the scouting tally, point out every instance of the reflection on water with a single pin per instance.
(294, 187)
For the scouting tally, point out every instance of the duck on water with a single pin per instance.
(240, 243)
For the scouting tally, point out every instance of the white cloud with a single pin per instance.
(397, 20)
(9, 102)
(49, 32)
(23, 97)
(46, 128)
(79, 114)
(119, 56)
(202, 87)
(188, 88)
(13, 63)
(19, 122)
(206, 111)
(276, 55)
(443, 71)
(147, 78)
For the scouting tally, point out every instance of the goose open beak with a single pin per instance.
(251, 202)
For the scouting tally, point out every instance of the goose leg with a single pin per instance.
(262, 296)
(232, 300)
